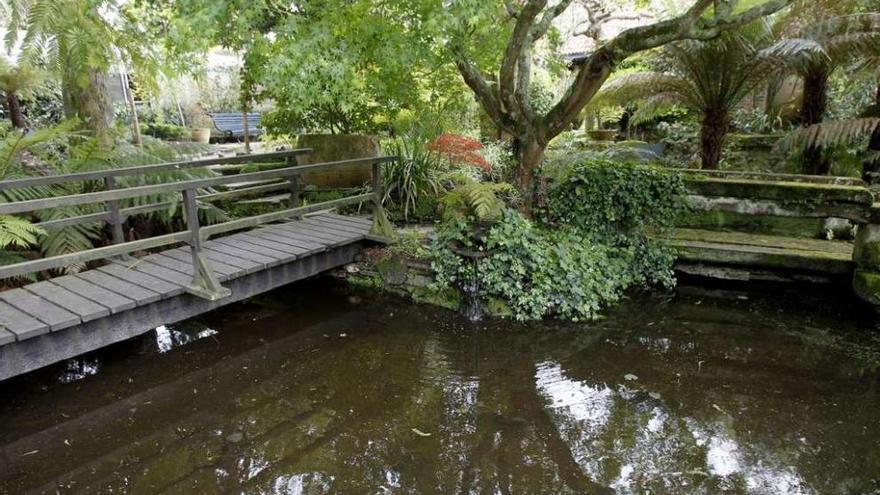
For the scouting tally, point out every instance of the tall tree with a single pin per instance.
(507, 102)
(17, 81)
(693, 80)
(835, 42)
(80, 40)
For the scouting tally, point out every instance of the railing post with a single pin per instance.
(381, 228)
(115, 220)
(293, 180)
(205, 283)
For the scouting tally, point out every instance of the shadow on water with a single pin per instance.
(321, 389)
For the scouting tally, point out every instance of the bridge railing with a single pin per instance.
(204, 282)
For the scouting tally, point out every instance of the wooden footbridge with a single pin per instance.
(178, 275)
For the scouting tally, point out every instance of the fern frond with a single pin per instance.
(827, 134)
(18, 232)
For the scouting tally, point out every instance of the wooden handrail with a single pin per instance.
(147, 169)
(204, 283)
(133, 192)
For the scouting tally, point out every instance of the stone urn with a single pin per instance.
(201, 135)
(335, 147)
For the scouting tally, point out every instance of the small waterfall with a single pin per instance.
(472, 308)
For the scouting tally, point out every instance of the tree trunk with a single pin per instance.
(871, 166)
(530, 154)
(135, 122)
(15, 114)
(91, 104)
(712, 133)
(813, 105)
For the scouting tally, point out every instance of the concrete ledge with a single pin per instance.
(21, 357)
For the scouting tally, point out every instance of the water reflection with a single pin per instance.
(168, 338)
(79, 368)
(708, 398)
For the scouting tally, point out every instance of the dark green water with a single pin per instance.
(318, 389)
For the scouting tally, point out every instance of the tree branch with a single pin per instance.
(543, 25)
(486, 95)
(596, 69)
(518, 46)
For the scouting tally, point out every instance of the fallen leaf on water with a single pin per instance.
(420, 432)
(654, 395)
(630, 377)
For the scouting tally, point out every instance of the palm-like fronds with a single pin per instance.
(70, 239)
(16, 143)
(835, 41)
(22, 79)
(827, 134)
(715, 74)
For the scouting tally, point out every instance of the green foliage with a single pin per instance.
(17, 232)
(415, 179)
(480, 202)
(541, 271)
(617, 200)
(161, 130)
(21, 79)
(600, 237)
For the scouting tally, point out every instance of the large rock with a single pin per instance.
(334, 147)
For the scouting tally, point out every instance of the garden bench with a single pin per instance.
(768, 227)
(231, 125)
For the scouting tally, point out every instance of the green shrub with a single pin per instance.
(413, 182)
(600, 236)
(613, 199)
(162, 130)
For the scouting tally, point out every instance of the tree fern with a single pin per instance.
(827, 134)
(708, 78)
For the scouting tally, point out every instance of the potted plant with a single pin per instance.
(200, 125)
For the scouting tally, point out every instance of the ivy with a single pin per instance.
(600, 237)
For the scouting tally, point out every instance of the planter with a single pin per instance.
(333, 147)
(201, 135)
(602, 134)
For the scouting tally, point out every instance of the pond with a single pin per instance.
(318, 388)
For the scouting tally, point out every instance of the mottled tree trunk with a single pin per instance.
(813, 106)
(15, 114)
(712, 133)
(91, 104)
(871, 166)
(530, 154)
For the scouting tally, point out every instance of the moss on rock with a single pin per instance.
(866, 285)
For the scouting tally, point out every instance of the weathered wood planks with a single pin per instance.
(68, 302)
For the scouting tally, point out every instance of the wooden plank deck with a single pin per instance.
(53, 320)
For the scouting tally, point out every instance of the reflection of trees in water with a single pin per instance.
(718, 404)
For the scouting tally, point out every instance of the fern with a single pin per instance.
(10, 258)
(829, 134)
(484, 202)
(18, 232)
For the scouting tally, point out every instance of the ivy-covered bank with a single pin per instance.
(600, 233)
